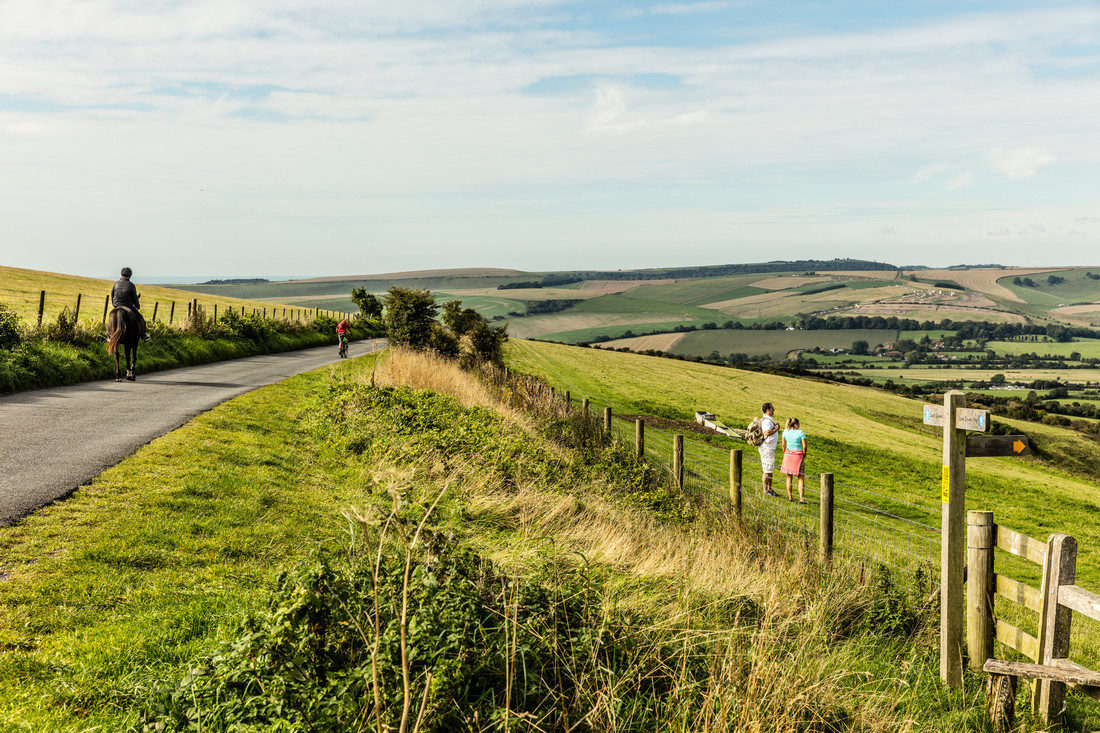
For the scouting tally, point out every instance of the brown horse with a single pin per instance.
(123, 327)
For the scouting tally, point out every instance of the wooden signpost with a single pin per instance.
(956, 418)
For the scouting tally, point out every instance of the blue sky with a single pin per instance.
(278, 137)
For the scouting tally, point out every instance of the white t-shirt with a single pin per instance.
(770, 441)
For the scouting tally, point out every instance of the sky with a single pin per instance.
(284, 137)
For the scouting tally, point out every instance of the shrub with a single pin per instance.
(10, 334)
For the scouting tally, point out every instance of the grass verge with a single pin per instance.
(503, 568)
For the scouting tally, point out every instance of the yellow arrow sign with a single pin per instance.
(1018, 446)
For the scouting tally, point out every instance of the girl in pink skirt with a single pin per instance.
(794, 458)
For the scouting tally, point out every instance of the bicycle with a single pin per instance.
(343, 346)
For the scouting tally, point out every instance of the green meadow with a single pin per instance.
(776, 344)
(868, 438)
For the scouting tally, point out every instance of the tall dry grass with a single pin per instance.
(748, 631)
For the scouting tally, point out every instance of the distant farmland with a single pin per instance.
(776, 344)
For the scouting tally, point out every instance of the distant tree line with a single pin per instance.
(237, 281)
(542, 307)
(725, 270)
(1027, 282)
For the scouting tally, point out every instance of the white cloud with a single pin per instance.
(960, 181)
(1018, 164)
(426, 105)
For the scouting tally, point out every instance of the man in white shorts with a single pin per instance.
(767, 448)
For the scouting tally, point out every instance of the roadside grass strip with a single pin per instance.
(109, 594)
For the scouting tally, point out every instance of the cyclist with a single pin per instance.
(342, 335)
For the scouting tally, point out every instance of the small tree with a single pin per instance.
(369, 306)
(860, 348)
(460, 320)
(409, 316)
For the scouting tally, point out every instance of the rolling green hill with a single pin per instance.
(870, 440)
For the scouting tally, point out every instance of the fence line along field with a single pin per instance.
(867, 438)
(21, 291)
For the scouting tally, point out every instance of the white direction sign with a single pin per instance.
(966, 418)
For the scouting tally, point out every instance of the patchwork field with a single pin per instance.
(984, 280)
(776, 344)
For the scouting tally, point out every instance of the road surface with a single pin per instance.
(52, 441)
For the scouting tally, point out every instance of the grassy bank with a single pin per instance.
(67, 352)
(469, 533)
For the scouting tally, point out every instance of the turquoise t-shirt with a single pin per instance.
(796, 439)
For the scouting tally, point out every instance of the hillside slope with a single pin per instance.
(869, 439)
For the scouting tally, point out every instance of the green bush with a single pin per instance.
(9, 328)
(311, 660)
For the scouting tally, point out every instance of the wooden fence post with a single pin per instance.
(826, 518)
(735, 480)
(1054, 622)
(156, 304)
(41, 306)
(76, 315)
(172, 313)
(107, 304)
(189, 310)
(568, 400)
(952, 542)
(215, 313)
(607, 419)
(639, 437)
(584, 408)
(678, 461)
(980, 541)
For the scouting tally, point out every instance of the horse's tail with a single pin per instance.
(116, 327)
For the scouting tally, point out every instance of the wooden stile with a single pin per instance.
(1021, 545)
(1018, 592)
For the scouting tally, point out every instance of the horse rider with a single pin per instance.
(125, 295)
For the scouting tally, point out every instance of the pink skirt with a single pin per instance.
(793, 462)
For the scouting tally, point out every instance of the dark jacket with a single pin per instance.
(124, 293)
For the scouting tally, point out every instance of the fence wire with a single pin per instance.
(869, 527)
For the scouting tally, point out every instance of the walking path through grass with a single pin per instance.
(55, 440)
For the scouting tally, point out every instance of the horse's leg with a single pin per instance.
(131, 360)
(118, 369)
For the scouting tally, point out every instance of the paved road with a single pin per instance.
(53, 441)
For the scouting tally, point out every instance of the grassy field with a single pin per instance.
(1077, 288)
(1087, 348)
(106, 596)
(20, 289)
(898, 456)
(121, 608)
(697, 292)
(776, 344)
(924, 375)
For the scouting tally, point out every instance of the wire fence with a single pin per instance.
(868, 525)
(35, 307)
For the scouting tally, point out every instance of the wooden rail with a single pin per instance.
(1055, 603)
